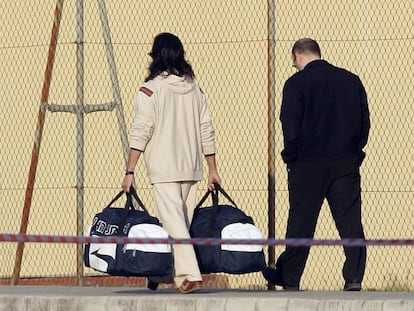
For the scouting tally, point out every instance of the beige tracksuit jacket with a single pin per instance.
(173, 127)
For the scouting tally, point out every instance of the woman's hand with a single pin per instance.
(127, 182)
(213, 178)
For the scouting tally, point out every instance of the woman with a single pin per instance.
(173, 129)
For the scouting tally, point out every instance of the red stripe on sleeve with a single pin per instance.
(146, 91)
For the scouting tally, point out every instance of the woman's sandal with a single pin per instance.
(187, 287)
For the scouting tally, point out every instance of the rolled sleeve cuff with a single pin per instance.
(138, 145)
(209, 150)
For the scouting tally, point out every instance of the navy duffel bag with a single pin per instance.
(130, 259)
(226, 222)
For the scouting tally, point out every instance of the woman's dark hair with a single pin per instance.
(168, 56)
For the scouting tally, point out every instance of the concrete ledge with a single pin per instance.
(61, 298)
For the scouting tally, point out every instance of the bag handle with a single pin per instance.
(226, 195)
(214, 195)
(213, 218)
(128, 205)
(133, 194)
(115, 198)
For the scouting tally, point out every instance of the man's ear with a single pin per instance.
(299, 55)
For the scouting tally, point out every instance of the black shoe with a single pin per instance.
(273, 277)
(352, 286)
(152, 285)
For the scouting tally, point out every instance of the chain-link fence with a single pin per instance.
(70, 70)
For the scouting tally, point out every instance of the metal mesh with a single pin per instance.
(81, 156)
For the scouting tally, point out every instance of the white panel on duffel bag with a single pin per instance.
(241, 231)
(148, 231)
(100, 254)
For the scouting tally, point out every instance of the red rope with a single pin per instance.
(30, 238)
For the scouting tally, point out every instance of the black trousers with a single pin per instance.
(309, 183)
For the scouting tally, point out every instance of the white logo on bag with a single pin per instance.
(101, 255)
(105, 228)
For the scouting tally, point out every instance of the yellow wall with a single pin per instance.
(226, 43)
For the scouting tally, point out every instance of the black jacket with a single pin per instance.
(324, 114)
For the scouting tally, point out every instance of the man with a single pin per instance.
(325, 123)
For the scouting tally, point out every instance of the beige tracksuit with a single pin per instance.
(173, 128)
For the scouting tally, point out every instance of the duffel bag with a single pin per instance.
(131, 259)
(226, 222)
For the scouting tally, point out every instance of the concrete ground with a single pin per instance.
(73, 298)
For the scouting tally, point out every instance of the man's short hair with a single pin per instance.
(307, 45)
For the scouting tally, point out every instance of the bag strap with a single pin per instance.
(134, 194)
(115, 198)
(226, 195)
(129, 205)
(203, 199)
(214, 196)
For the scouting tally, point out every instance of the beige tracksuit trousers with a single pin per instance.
(175, 203)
